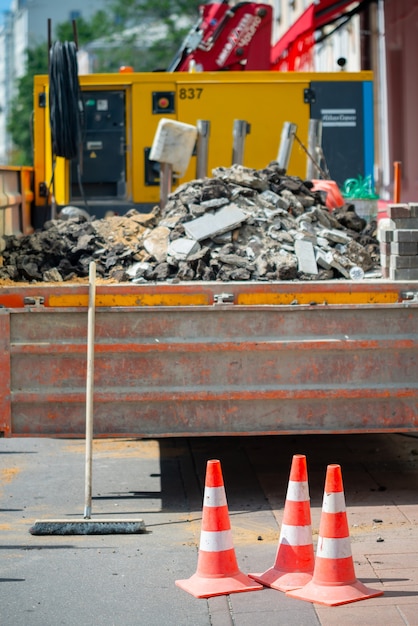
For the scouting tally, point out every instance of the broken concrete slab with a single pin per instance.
(182, 248)
(306, 257)
(336, 236)
(323, 258)
(212, 224)
(156, 242)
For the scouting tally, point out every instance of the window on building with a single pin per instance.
(277, 8)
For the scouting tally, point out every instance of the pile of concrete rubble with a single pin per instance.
(240, 225)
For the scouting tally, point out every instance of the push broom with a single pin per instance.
(88, 526)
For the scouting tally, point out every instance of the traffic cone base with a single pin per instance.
(201, 587)
(282, 581)
(334, 595)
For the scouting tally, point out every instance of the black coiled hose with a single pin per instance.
(65, 104)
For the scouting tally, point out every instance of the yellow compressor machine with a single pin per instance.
(121, 113)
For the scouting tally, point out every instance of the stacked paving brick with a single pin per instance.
(399, 242)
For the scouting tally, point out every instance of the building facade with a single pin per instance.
(383, 38)
(401, 44)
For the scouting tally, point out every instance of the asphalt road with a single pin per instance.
(124, 580)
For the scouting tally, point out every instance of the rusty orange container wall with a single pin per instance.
(177, 360)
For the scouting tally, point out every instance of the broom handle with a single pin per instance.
(89, 391)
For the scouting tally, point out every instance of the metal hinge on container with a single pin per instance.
(34, 301)
(43, 190)
(309, 96)
(223, 298)
(410, 296)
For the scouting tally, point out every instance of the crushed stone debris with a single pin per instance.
(241, 224)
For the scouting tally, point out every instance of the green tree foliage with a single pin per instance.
(19, 123)
(20, 118)
(169, 20)
(98, 26)
(131, 12)
(114, 39)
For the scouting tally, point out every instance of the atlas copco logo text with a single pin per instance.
(339, 117)
(241, 36)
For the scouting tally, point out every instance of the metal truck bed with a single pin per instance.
(211, 359)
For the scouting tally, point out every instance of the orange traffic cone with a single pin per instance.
(334, 581)
(295, 555)
(217, 568)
